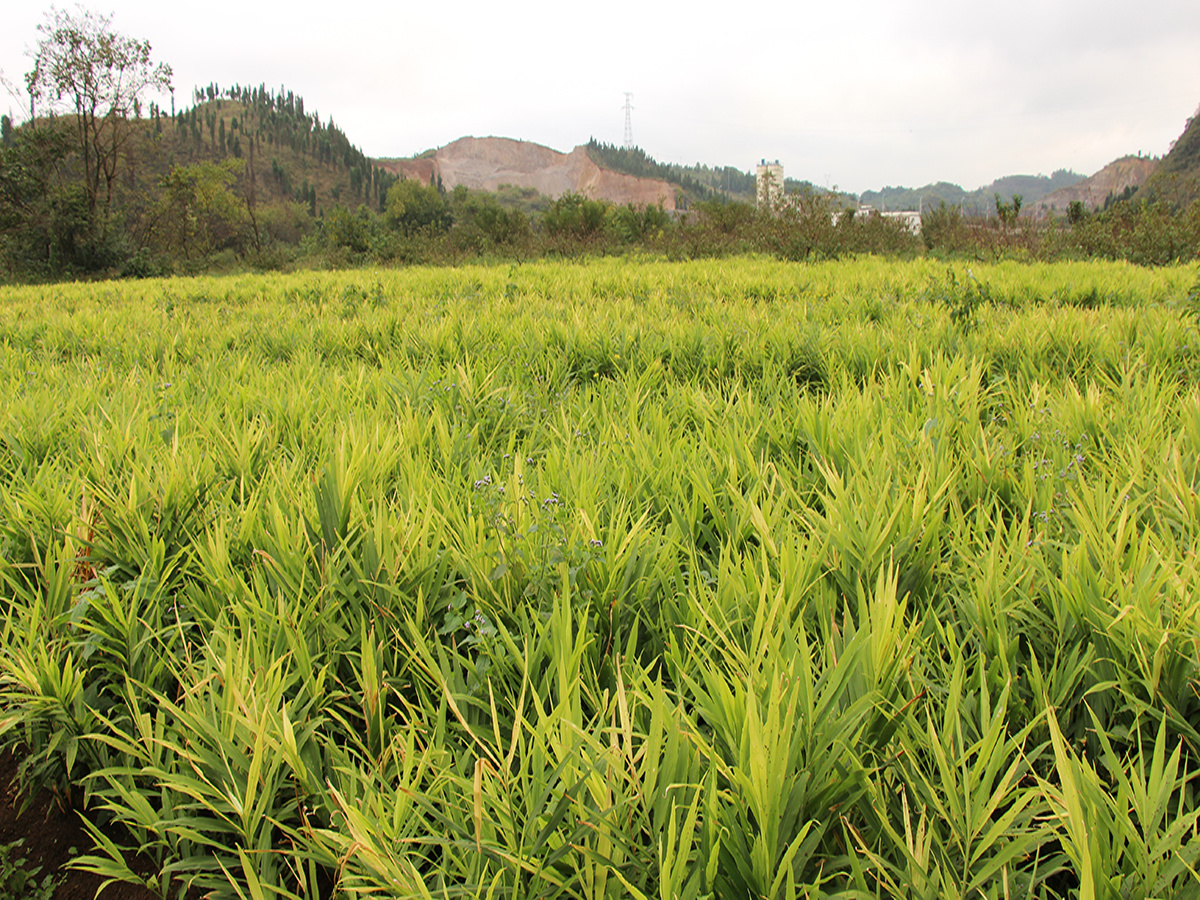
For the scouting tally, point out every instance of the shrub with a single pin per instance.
(412, 206)
(941, 227)
(575, 216)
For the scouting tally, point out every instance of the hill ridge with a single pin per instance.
(486, 163)
(1177, 179)
(1114, 180)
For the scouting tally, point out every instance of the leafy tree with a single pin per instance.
(200, 211)
(726, 218)
(941, 226)
(412, 206)
(574, 215)
(481, 223)
(802, 226)
(38, 226)
(98, 77)
(526, 199)
(353, 231)
(1007, 213)
(636, 224)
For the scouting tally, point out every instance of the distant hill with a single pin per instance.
(1032, 189)
(240, 169)
(484, 164)
(931, 195)
(698, 182)
(1177, 178)
(290, 155)
(629, 175)
(1114, 180)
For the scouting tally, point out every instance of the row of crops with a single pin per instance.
(733, 579)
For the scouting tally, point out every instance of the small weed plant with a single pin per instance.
(19, 880)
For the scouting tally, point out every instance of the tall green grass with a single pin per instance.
(732, 579)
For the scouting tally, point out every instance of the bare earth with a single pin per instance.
(52, 836)
(484, 164)
(1112, 179)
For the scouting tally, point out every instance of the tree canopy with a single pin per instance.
(412, 206)
(85, 69)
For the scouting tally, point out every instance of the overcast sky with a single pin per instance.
(856, 94)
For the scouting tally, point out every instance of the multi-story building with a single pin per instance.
(768, 182)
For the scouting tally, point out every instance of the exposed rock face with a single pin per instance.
(1112, 179)
(483, 164)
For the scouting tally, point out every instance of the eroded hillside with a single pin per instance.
(485, 164)
(1111, 181)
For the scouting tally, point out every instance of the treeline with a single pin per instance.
(243, 174)
(698, 182)
(976, 203)
(211, 215)
(422, 224)
(278, 120)
(1137, 231)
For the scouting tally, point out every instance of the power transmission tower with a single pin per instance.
(628, 107)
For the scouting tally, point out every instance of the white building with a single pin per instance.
(768, 183)
(910, 219)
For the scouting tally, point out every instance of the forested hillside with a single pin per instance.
(103, 178)
(239, 169)
(310, 161)
(698, 182)
(1177, 178)
(981, 202)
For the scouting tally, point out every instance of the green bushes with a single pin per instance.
(1143, 233)
(575, 217)
(19, 880)
(412, 206)
(423, 225)
(482, 225)
(1150, 234)
(941, 227)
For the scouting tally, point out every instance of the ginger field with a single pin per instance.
(621, 578)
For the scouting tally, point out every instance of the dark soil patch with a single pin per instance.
(52, 837)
